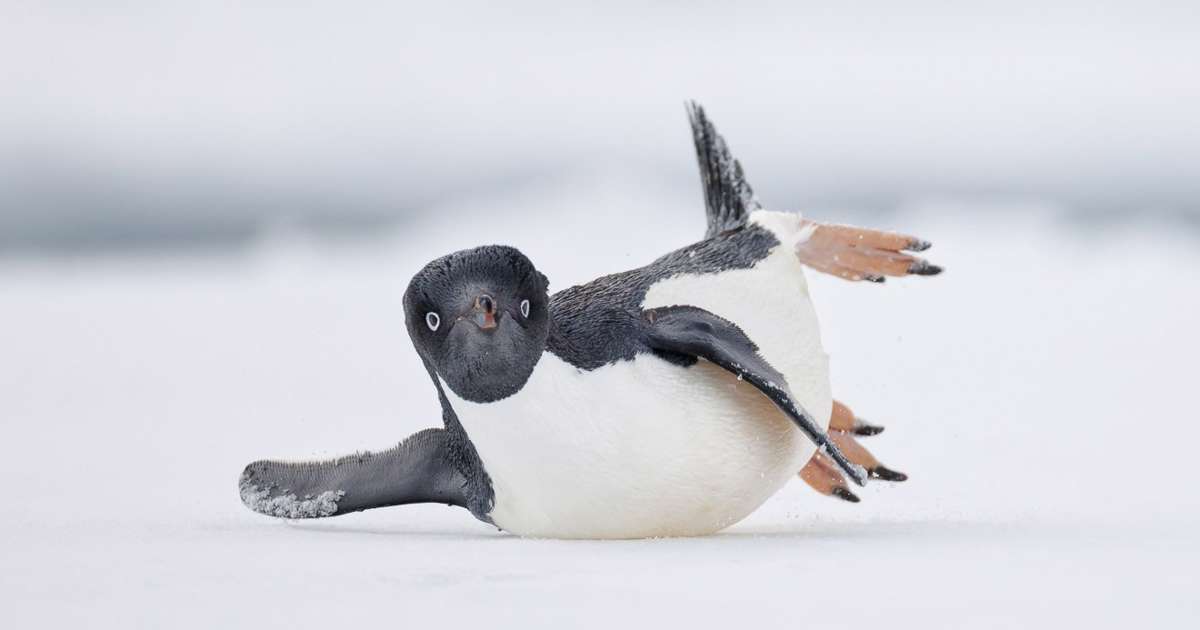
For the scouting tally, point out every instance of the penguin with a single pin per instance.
(669, 400)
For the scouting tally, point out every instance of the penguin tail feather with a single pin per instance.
(728, 198)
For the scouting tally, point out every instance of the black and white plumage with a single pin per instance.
(672, 399)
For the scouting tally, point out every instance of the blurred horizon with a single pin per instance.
(133, 126)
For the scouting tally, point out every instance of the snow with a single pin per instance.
(288, 505)
(1039, 394)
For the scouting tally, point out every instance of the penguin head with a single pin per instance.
(479, 318)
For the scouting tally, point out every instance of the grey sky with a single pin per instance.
(185, 117)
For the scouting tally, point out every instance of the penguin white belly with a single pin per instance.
(646, 448)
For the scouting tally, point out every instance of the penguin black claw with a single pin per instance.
(918, 245)
(874, 278)
(845, 494)
(924, 268)
(866, 430)
(886, 474)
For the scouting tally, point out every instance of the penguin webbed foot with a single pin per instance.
(820, 473)
(843, 419)
(858, 254)
(858, 454)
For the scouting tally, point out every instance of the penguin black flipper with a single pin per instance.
(727, 195)
(682, 334)
(418, 470)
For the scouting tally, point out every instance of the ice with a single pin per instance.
(1014, 385)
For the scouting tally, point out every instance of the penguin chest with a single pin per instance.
(635, 449)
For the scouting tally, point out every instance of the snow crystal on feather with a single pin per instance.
(288, 505)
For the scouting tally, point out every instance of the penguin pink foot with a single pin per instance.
(843, 419)
(821, 475)
(854, 254)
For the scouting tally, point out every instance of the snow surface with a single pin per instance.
(1040, 394)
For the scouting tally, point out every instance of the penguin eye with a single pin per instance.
(524, 308)
(432, 320)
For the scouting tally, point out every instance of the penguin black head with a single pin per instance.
(479, 318)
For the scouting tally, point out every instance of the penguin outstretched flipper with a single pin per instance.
(415, 471)
(680, 333)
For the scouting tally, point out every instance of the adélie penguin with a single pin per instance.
(669, 400)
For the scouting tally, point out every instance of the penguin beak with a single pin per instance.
(484, 312)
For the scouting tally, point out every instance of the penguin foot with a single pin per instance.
(886, 474)
(822, 475)
(858, 454)
(856, 254)
(845, 494)
(843, 419)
